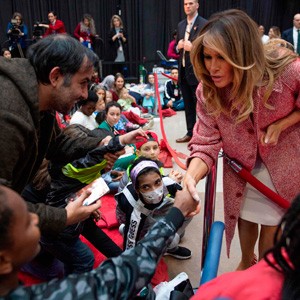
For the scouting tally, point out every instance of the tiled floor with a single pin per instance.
(175, 127)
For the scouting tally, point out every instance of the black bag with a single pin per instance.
(182, 291)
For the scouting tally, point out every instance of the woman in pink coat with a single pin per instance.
(248, 105)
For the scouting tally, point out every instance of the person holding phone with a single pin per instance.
(66, 181)
(117, 44)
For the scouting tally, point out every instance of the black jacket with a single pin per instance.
(112, 47)
(288, 36)
(189, 72)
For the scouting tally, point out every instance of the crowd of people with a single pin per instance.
(66, 128)
(85, 31)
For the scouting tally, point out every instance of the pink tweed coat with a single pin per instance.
(242, 142)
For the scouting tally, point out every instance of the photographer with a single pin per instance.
(17, 34)
(55, 26)
(38, 31)
(117, 44)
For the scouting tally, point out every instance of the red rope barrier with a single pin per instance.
(245, 174)
(170, 77)
(173, 153)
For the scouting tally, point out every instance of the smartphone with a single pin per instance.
(98, 188)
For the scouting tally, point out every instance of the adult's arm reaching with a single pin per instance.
(124, 276)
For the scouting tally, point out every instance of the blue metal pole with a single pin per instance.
(209, 208)
(212, 258)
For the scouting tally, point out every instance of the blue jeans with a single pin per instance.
(178, 105)
(113, 185)
(76, 256)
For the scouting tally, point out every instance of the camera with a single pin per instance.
(121, 30)
(38, 30)
(15, 31)
(14, 22)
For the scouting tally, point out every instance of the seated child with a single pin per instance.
(6, 53)
(109, 97)
(122, 126)
(150, 99)
(101, 93)
(173, 96)
(149, 147)
(130, 116)
(67, 180)
(85, 114)
(100, 105)
(113, 114)
(145, 199)
(126, 102)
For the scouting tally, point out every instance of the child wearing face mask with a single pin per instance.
(145, 199)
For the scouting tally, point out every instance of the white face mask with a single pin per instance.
(155, 196)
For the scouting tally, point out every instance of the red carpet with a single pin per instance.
(110, 226)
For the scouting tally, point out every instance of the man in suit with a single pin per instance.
(292, 35)
(187, 31)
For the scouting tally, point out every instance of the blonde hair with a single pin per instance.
(123, 91)
(91, 26)
(276, 32)
(234, 35)
(278, 53)
(112, 21)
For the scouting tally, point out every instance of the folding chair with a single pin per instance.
(168, 63)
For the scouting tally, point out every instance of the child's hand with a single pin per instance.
(176, 176)
(116, 175)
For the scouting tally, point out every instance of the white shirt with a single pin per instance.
(87, 121)
(295, 38)
(265, 39)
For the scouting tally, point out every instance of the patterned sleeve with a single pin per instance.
(121, 277)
